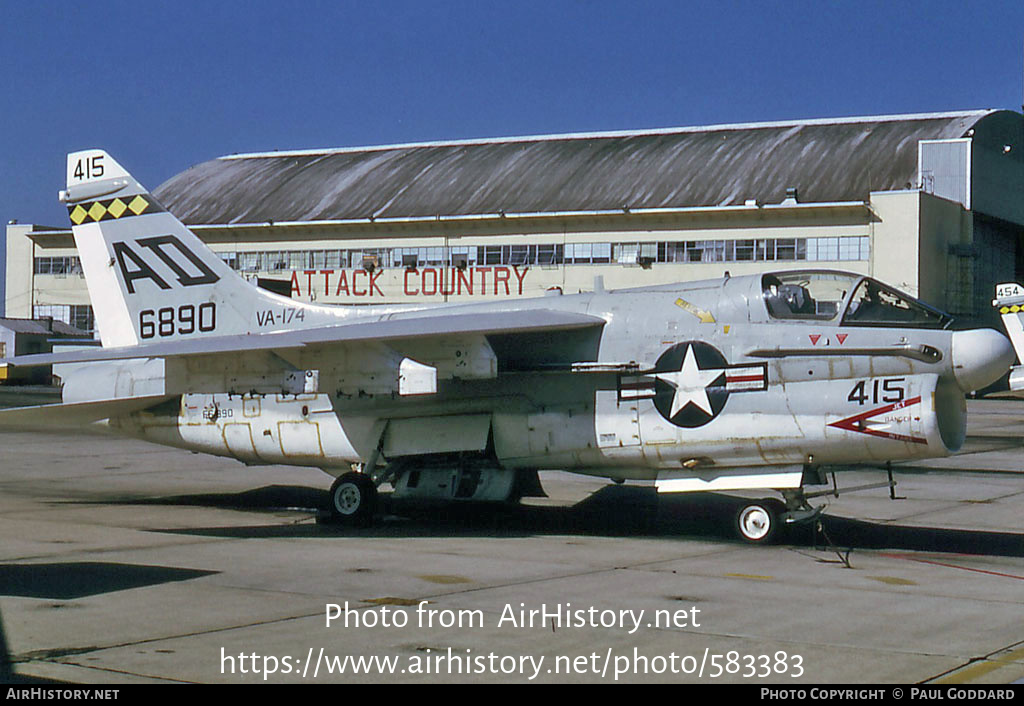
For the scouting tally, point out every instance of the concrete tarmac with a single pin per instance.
(125, 562)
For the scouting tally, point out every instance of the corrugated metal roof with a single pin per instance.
(827, 160)
(41, 327)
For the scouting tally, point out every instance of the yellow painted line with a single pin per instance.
(893, 580)
(754, 577)
(443, 579)
(392, 600)
(979, 669)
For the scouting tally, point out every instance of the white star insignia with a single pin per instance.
(691, 384)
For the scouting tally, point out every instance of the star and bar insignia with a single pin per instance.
(691, 383)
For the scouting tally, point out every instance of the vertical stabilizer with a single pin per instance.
(1010, 303)
(150, 278)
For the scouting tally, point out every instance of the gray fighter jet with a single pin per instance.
(749, 382)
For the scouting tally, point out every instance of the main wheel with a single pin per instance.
(353, 499)
(759, 522)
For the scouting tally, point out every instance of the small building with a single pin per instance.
(29, 336)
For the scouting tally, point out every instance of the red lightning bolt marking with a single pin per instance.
(858, 423)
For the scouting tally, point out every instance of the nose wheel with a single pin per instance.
(759, 522)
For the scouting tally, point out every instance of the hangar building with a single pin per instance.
(930, 203)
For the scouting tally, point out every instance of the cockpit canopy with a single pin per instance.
(845, 299)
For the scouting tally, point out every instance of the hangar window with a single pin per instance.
(82, 317)
(249, 261)
(836, 249)
(823, 249)
(831, 249)
(521, 255)
(405, 257)
(714, 251)
(744, 250)
(432, 256)
(491, 255)
(230, 259)
(578, 252)
(57, 266)
(601, 252)
(849, 249)
(463, 255)
(78, 315)
(671, 252)
(549, 254)
(277, 261)
(785, 249)
(59, 312)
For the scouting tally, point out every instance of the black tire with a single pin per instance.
(353, 499)
(760, 522)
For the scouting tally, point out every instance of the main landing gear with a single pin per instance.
(353, 499)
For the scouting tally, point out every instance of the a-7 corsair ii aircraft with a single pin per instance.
(760, 381)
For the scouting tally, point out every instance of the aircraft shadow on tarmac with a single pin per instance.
(611, 511)
(64, 581)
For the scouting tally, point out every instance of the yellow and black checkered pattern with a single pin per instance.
(96, 211)
(1011, 309)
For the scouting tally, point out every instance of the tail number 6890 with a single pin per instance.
(183, 320)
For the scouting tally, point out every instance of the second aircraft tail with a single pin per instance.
(1010, 303)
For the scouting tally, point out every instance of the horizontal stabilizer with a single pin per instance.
(76, 414)
(420, 327)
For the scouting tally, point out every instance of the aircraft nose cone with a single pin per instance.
(980, 357)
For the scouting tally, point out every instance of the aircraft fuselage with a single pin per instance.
(667, 392)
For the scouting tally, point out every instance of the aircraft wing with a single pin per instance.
(73, 415)
(418, 328)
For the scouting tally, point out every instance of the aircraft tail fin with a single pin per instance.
(150, 278)
(1010, 303)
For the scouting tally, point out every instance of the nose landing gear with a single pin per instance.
(762, 521)
(758, 522)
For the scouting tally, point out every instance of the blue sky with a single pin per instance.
(165, 85)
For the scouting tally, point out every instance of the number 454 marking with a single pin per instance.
(885, 390)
